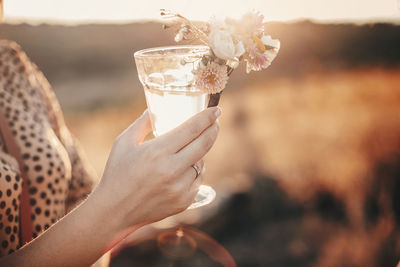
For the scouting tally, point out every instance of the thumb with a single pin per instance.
(138, 130)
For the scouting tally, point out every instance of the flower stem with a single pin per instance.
(214, 99)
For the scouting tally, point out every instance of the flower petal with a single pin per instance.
(239, 49)
(212, 79)
(268, 41)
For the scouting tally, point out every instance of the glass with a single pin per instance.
(167, 75)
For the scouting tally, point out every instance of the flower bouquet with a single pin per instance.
(231, 41)
(180, 81)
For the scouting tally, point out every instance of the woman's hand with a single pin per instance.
(155, 179)
(142, 183)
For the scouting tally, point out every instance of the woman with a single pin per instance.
(141, 183)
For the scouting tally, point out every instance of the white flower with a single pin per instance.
(268, 41)
(239, 49)
(222, 44)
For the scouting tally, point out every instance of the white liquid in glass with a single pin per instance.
(170, 107)
(168, 77)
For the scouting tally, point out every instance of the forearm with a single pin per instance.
(79, 239)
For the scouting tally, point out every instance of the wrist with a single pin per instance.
(107, 209)
(115, 215)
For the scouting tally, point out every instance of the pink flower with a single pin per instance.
(260, 52)
(213, 78)
(269, 42)
(253, 21)
(257, 59)
(250, 24)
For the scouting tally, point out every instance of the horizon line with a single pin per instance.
(61, 22)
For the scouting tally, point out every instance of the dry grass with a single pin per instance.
(323, 132)
(325, 127)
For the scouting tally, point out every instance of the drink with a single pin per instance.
(168, 78)
(172, 106)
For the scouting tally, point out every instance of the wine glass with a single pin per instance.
(168, 77)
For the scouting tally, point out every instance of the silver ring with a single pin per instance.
(197, 169)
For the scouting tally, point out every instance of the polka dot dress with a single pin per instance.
(58, 174)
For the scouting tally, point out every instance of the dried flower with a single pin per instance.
(192, 32)
(213, 78)
(181, 33)
(231, 42)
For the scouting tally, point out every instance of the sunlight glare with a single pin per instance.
(117, 11)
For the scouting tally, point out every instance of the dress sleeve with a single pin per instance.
(83, 175)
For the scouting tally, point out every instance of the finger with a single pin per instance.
(199, 180)
(182, 135)
(189, 175)
(196, 183)
(194, 188)
(138, 130)
(200, 166)
(196, 149)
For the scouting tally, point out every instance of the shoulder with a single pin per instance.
(7, 46)
(13, 57)
(13, 60)
(17, 71)
(10, 50)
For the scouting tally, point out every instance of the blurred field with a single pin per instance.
(306, 166)
(281, 126)
(325, 132)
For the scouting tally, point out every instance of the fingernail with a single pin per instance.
(218, 112)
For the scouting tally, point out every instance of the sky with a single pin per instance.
(121, 11)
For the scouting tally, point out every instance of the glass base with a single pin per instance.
(205, 196)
